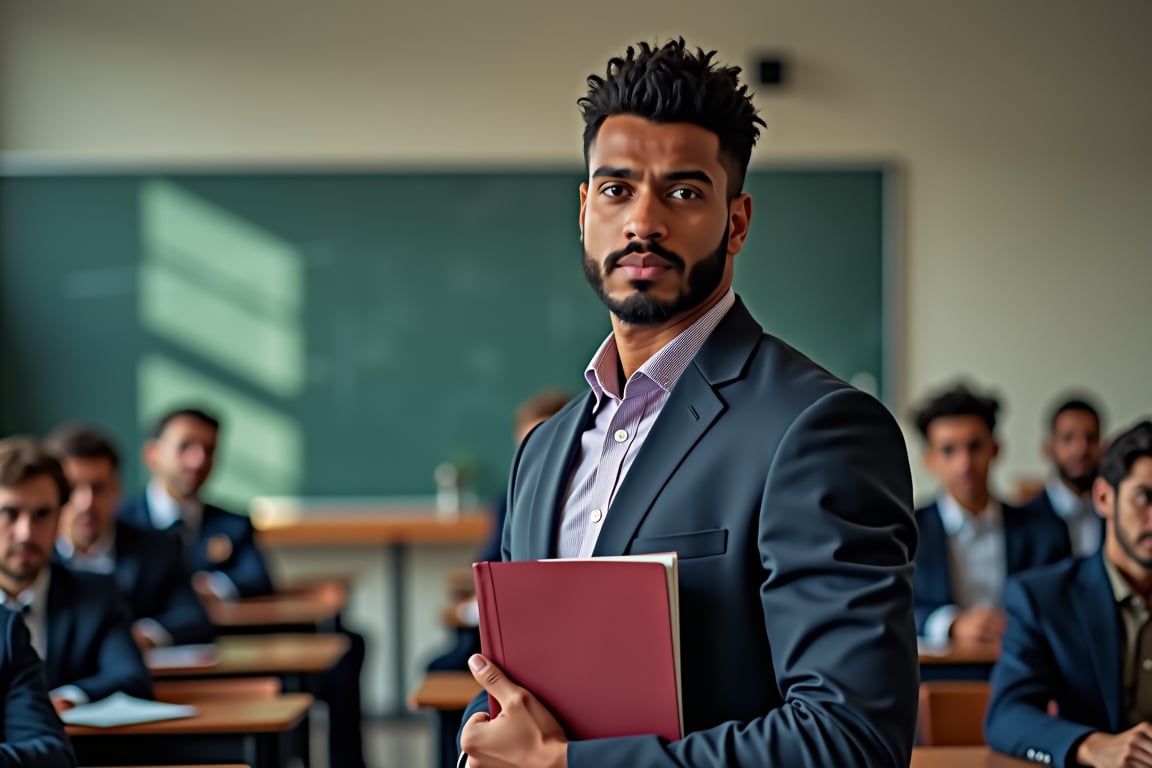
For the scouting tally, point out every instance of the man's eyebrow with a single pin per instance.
(689, 176)
(613, 173)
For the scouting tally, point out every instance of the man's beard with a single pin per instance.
(640, 308)
(1082, 483)
(1127, 544)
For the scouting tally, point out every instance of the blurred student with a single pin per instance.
(1073, 448)
(78, 622)
(970, 541)
(227, 564)
(148, 565)
(1080, 635)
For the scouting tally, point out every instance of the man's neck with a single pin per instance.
(1137, 576)
(13, 588)
(1079, 493)
(636, 344)
(974, 505)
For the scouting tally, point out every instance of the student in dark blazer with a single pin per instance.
(969, 540)
(1073, 448)
(785, 491)
(148, 565)
(1078, 635)
(79, 622)
(31, 735)
(226, 562)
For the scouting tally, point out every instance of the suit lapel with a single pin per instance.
(1099, 624)
(59, 624)
(935, 562)
(548, 500)
(128, 559)
(1015, 544)
(692, 408)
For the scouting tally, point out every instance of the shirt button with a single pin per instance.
(621, 435)
(597, 515)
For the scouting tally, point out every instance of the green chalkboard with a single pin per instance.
(356, 330)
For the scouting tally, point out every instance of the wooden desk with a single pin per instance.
(230, 731)
(244, 655)
(962, 757)
(984, 653)
(316, 608)
(447, 691)
(288, 522)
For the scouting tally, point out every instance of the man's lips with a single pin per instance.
(643, 266)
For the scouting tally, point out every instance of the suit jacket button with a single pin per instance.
(1030, 754)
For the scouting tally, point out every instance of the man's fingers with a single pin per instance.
(493, 680)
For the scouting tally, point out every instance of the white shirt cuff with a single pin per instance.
(151, 629)
(462, 760)
(222, 586)
(939, 624)
(70, 693)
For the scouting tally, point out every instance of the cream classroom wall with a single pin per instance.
(1023, 129)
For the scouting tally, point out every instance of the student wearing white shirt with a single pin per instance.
(1073, 448)
(79, 622)
(969, 540)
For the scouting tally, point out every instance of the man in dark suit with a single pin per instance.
(227, 563)
(969, 540)
(79, 622)
(1073, 447)
(221, 545)
(148, 565)
(785, 492)
(31, 735)
(1079, 635)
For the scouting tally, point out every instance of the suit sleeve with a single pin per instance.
(121, 668)
(32, 734)
(247, 571)
(1024, 680)
(183, 616)
(836, 539)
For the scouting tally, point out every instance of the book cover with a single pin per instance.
(596, 640)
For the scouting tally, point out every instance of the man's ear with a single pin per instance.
(1103, 498)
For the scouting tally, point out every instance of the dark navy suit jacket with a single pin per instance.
(31, 735)
(1031, 538)
(151, 573)
(1064, 643)
(787, 495)
(226, 543)
(90, 641)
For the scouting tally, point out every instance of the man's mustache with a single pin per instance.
(643, 246)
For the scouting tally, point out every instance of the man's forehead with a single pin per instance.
(625, 139)
(35, 491)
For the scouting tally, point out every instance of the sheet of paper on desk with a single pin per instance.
(926, 648)
(122, 709)
(178, 656)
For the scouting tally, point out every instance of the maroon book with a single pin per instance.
(596, 641)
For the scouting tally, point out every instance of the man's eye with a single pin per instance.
(613, 190)
(685, 194)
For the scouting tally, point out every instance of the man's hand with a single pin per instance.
(60, 704)
(1130, 749)
(202, 586)
(143, 642)
(523, 735)
(982, 624)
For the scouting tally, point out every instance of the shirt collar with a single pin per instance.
(666, 366)
(34, 596)
(165, 510)
(1121, 589)
(101, 554)
(955, 518)
(1064, 501)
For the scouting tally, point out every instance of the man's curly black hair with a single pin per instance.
(673, 84)
(957, 401)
